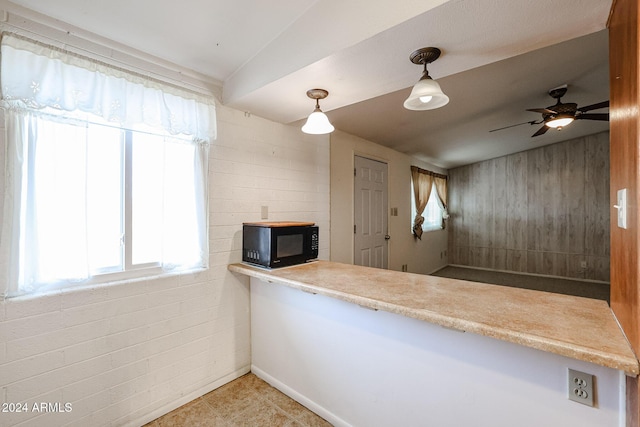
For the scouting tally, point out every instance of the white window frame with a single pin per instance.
(44, 82)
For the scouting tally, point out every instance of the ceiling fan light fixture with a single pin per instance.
(427, 93)
(559, 122)
(317, 123)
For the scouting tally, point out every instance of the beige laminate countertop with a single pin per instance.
(579, 328)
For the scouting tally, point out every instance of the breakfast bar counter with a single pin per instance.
(364, 346)
(575, 327)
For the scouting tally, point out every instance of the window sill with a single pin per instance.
(106, 281)
(427, 230)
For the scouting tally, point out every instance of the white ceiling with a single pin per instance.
(499, 58)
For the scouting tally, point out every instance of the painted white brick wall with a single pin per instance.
(125, 353)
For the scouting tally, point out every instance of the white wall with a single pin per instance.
(421, 256)
(359, 367)
(123, 354)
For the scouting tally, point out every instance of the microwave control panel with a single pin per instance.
(314, 242)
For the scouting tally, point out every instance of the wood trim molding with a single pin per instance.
(624, 62)
(624, 151)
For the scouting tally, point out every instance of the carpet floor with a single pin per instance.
(539, 283)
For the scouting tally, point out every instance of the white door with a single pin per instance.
(370, 207)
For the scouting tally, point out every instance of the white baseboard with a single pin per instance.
(303, 400)
(165, 409)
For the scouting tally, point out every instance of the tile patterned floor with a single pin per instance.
(247, 401)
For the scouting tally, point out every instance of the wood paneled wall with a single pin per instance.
(542, 211)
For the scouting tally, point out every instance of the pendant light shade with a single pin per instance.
(426, 94)
(318, 122)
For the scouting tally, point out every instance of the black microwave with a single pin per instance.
(280, 243)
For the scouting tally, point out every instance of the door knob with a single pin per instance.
(387, 237)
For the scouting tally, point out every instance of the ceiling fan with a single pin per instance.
(562, 113)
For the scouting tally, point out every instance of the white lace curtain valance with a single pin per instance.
(50, 80)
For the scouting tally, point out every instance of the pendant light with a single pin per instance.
(426, 94)
(318, 122)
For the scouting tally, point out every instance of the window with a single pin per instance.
(433, 212)
(429, 201)
(99, 194)
(108, 175)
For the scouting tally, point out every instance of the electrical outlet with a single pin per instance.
(581, 388)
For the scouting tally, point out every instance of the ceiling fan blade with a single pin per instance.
(531, 122)
(542, 130)
(603, 104)
(542, 110)
(597, 116)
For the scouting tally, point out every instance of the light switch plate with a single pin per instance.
(621, 206)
